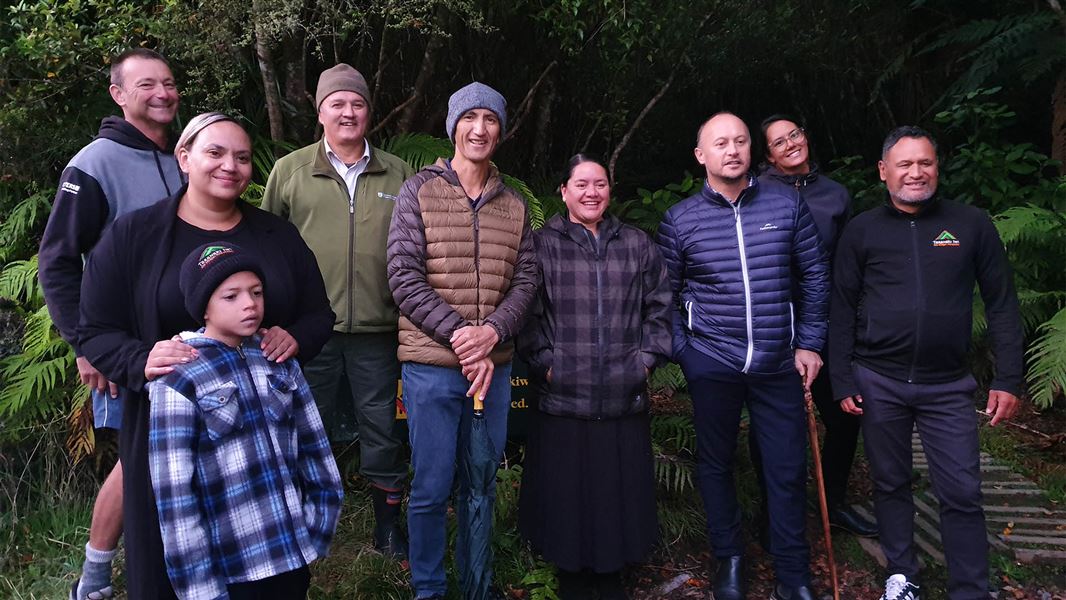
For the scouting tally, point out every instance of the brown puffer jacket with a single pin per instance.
(453, 263)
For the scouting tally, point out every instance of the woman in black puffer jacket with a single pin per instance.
(788, 160)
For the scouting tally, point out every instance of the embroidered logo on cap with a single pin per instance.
(946, 239)
(211, 253)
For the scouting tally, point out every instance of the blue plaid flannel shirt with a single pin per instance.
(245, 483)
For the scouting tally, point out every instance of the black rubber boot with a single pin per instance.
(575, 585)
(610, 586)
(389, 539)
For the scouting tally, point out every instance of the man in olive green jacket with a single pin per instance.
(340, 192)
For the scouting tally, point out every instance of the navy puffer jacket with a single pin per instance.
(732, 268)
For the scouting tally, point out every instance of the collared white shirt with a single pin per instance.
(351, 174)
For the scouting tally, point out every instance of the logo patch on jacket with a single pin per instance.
(946, 239)
(71, 188)
(768, 227)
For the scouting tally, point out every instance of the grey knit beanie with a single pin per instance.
(475, 95)
(341, 78)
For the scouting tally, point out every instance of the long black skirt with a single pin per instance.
(588, 491)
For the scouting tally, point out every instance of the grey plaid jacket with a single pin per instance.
(601, 320)
(244, 479)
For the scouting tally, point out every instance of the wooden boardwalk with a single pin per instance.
(1021, 520)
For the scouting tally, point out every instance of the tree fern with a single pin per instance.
(18, 229)
(1047, 362)
(418, 149)
(18, 283)
(536, 212)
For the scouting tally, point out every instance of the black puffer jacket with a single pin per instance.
(828, 201)
(600, 321)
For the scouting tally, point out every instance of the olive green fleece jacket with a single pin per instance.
(347, 235)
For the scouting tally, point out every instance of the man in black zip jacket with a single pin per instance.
(129, 165)
(900, 323)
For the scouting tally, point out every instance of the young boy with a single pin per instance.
(247, 489)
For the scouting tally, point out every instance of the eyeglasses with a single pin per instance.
(796, 136)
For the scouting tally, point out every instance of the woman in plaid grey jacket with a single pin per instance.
(600, 324)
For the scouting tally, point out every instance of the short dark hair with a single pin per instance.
(145, 53)
(576, 160)
(699, 131)
(905, 131)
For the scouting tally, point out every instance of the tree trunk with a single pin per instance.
(1058, 123)
(265, 55)
(410, 112)
(542, 139)
(636, 123)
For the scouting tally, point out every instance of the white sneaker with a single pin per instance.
(898, 588)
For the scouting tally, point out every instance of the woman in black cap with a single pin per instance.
(131, 305)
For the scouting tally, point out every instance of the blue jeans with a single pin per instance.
(438, 419)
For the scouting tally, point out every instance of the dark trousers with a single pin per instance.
(369, 362)
(947, 425)
(838, 446)
(146, 571)
(775, 404)
(291, 585)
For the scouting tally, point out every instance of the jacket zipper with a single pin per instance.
(917, 300)
(599, 314)
(351, 253)
(477, 267)
(747, 286)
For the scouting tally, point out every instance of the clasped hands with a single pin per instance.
(473, 344)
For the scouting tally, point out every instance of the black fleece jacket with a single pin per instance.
(902, 301)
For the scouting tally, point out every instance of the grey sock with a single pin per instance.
(95, 574)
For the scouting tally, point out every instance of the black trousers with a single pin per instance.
(947, 425)
(838, 446)
(291, 585)
(775, 403)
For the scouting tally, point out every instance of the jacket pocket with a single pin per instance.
(221, 410)
(279, 404)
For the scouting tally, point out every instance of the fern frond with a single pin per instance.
(674, 431)
(536, 212)
(668, 377)
(81, 439)
(418, 149)
(1030, 224)
(1047, 362)
(30, 384)
(18, 282)
(16, 231)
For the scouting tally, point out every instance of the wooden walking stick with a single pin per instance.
(819, 479)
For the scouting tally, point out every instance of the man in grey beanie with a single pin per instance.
(463, 271)
(340, 192)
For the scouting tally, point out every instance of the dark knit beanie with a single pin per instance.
(475, 95)
(206, 268)
(341, 78)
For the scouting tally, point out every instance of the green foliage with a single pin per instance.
(987, 171)
(674, 446)
(648, 208)
(860, 177)
(542, 583)
(667, 379)
(36, 380)
(1047, 356)
(418, 149)
(20, 220)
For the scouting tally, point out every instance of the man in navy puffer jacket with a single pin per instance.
(735, 253)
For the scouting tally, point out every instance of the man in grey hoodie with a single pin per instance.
(129, 165)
